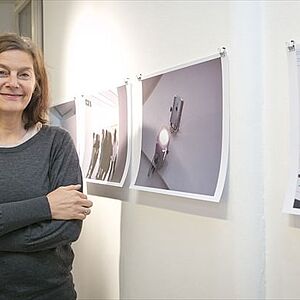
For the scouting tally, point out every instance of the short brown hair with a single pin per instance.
(36, 110)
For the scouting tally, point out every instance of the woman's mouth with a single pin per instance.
(11, 96)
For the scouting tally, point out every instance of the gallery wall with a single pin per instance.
(242, 247)
(170, 247)
(212, 250)
(282, 230)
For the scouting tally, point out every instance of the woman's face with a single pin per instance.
(17, 81)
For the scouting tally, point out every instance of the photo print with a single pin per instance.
(64, 115)
(105, 139)
(185, 128)
(292, 200)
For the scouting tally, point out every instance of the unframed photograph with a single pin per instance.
(105, 158)
(183, 132)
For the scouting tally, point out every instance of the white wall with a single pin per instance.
(282, 231)
(7, 19)
(218, 252)
(96, 266)
(243, 247)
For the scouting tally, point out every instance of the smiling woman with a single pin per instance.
(41, 201)
(17, 84)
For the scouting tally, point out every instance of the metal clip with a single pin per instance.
(291, 46)
(222, 51)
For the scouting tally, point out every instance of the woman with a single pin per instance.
(41, 202)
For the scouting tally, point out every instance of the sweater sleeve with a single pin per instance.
(47, 233)
(22, 214)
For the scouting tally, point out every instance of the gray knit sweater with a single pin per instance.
(35, 251)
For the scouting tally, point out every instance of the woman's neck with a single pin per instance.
(11, 130)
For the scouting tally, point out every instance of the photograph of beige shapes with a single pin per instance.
(104, 136)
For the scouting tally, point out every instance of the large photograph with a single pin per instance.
(184, 145)
(104, 142)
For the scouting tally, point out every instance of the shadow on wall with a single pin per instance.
(294, 221)
(175, 203)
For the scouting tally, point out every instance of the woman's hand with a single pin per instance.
(67, 203)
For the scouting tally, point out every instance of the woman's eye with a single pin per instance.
(3, 73)
(24, 76)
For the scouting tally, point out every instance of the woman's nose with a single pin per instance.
(12, 81)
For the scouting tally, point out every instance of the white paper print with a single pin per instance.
(184, 147)
(64, 115)
(292, 199)
(105, 140)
